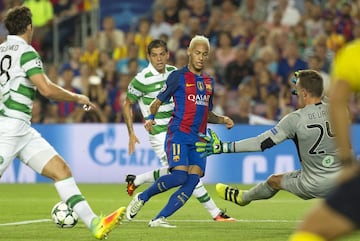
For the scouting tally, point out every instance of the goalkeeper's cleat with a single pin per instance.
(134, 207)
(130, 184)
(160, 222)
(231, 194)
(102, 226)
(223, 217)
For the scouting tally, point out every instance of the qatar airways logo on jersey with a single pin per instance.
(199, 99)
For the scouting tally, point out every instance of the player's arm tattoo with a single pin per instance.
(216, 119)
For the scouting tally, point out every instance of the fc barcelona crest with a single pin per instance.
(200, 85)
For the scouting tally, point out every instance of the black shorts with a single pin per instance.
(346, 199)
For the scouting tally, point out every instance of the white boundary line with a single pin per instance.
(25, 222)
(237, 220)
(175, 221)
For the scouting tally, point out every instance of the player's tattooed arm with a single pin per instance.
(220, 119)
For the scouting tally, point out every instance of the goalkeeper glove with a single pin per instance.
(212, 144)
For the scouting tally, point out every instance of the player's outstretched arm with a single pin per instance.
(55, 92)
(211, 144)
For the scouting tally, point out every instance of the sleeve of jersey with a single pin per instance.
(134, 90)
(266, 139)
(31, 63)
(345, 67)
(169, 87)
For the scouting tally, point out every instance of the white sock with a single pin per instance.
(67, 188)
(204, 198)
(150, 176)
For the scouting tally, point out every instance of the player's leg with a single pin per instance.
(134, 181)
(176, 201)
(336, 215)
(179, 174)
(9, 146)
(263, 190)
(208, 203)
(157, 143)
(164, 183)
(322, 224)
(293, 183)
(180, 156)
(41, 157)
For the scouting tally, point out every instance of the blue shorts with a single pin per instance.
(181, 151)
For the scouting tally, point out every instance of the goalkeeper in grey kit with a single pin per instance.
(310, 129)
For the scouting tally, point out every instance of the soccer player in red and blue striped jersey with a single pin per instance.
(192, 91)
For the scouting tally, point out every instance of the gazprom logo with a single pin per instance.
(104, 150)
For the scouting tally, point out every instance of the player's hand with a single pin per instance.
(229, 123)
(149, 125)
(211, 144)
(85, 101)
(132, 141)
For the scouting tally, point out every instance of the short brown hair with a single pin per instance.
(157, 43)
(17, 19)
(311, 81)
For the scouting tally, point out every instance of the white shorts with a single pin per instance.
(30, 147)
(157, 143)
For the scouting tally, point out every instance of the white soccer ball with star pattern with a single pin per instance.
(63, 216)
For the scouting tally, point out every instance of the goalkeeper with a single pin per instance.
(309, 128)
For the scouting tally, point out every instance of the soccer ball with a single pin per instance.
(63, 216)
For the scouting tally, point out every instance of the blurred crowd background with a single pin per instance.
(256, 45)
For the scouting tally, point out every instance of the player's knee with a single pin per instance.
(57, 169)
(62, 173)
(274, 181)
(188, 188)
(180, 176)
(193, 180)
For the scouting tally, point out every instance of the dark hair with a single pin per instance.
(311, 81)
(17, 19)
(227, 34)
(157, 43)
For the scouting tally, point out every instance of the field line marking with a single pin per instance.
(25, 222)
(178, 221)
(237, 220)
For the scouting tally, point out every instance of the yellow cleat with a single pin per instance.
(231, 194)
(102, 226)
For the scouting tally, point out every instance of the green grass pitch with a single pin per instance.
(25, 215)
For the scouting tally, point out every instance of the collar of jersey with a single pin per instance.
(16, 38)
(154, 71)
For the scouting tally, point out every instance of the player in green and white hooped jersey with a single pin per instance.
(21, 73)
(143, 89)
(310, 129)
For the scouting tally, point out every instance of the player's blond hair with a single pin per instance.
(199, 39)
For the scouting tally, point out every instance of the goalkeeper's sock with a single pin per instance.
(206, 201)
(260, 191)
(180, 197)
(70, 193)
(150, 176)
(305, 236)
(164, 183)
